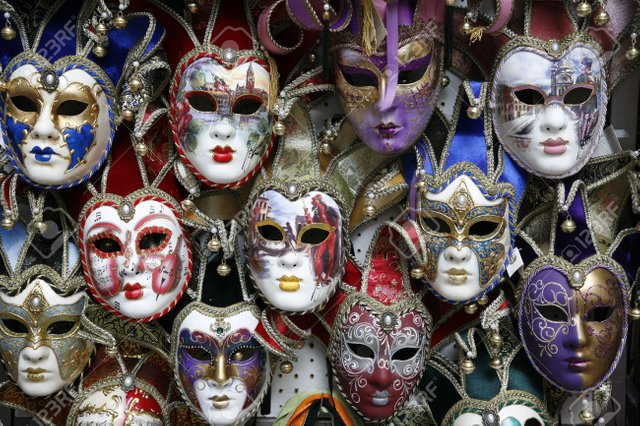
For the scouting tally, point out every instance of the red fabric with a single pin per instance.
(549, 20)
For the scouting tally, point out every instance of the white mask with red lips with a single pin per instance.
(136, 256)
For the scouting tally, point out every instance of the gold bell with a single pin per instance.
(326, 15)
(568, 225)
(3, 176)
(101, 28)
(496, 363)
(286, 367)
(141, 149)
(471, 308)
(583, 9)
(587, 417)
(325, 148)
(369, 210)
(417, 273)
(496, 339)
(466, 28)
(214, 245)
(601, 18)
(422, 186)
(193, 7)
(223, 269)
(474, 112)
(483, 300)
(8, 33)
(188, 205)
(279, 128)
(40, 226)
(444, 81)
(467, 366)
(136, 85)
(3, 86)
(128, 114)
(99, 51)
(120, 22)
(7, 223)
(450, 2)
(632, 53)
(634, 313)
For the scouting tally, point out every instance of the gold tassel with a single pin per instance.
(275, 79)
(368, 28)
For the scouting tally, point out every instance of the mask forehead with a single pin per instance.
(550, 118)
(57, 122)
(463, 191)
(220, 327)
(112, 405)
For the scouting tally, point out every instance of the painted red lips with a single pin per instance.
(556, 146)
(133, 291)
(222, 154)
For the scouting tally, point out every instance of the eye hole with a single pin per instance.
(600, 313)
(532, 422)
(436, 224)
(14, 326)
(577, 96)
(483, 228)
(152, 240)
(24, 104)
(271, 232)
(202, 102)
(71, 108)
(405, 354)
(360, 79)
(411, 76)
(529, 96)
(314, 235)
(247, 105)
(362, 351)
(60, 327)
(553, 313)
(107, 245)
(199, 354)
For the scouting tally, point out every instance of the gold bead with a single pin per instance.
(312, 58)
(422, 186)
(587, 417)
(326, 15)
(193, 7)
(496, 339)
(188, 205)
(496, 363)
(632, 53)
(3, 86)
(8, 33)
(568, 226)
(466, 28)
(136, 85)
(223, 269)
(369, 210)
(214, 245)
(279, 128)
(583, 9)
(483, 300)
(325, 148)
(444, 81)
(141, 149)
(471, 308)
(101, 28)
(128, 115)
(467, 366)
(474, 112)
(120, 22)
(450, 2)
(286, 367)
(417, 273)
(99, 51)
(601, 18)
(7, 223)
(3, 176)
(40, 226)
(634, 313)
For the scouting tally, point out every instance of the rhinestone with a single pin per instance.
(387, 320)
(126, 209)
(577, 276)
(7, 15)
(555, 46)
(292, 189)
(49, 79)
(35, 302)
(491, 418)
(127, 381)
(104, 15)
(461, 200)
(136, 64)
(228, 55)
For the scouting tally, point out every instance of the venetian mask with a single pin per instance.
(57, 121)
(221, 368)
(509, 408)
(467, 231)
(378, 358)
(136, 255)
(220, 118)
(389, 123)
(295, 248)
(39, 341)
(113, 405)
(551, 117)
(573, 320)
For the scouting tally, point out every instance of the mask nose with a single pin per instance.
(457, 254)
(223, 131)
(44, 129)
(554, 119)
(130, 259)
(289, 260)
(577, 337)
(382, 377)
(220, 375)
(35, 355)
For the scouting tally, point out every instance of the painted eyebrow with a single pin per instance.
(151, 217)
(109, 225)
